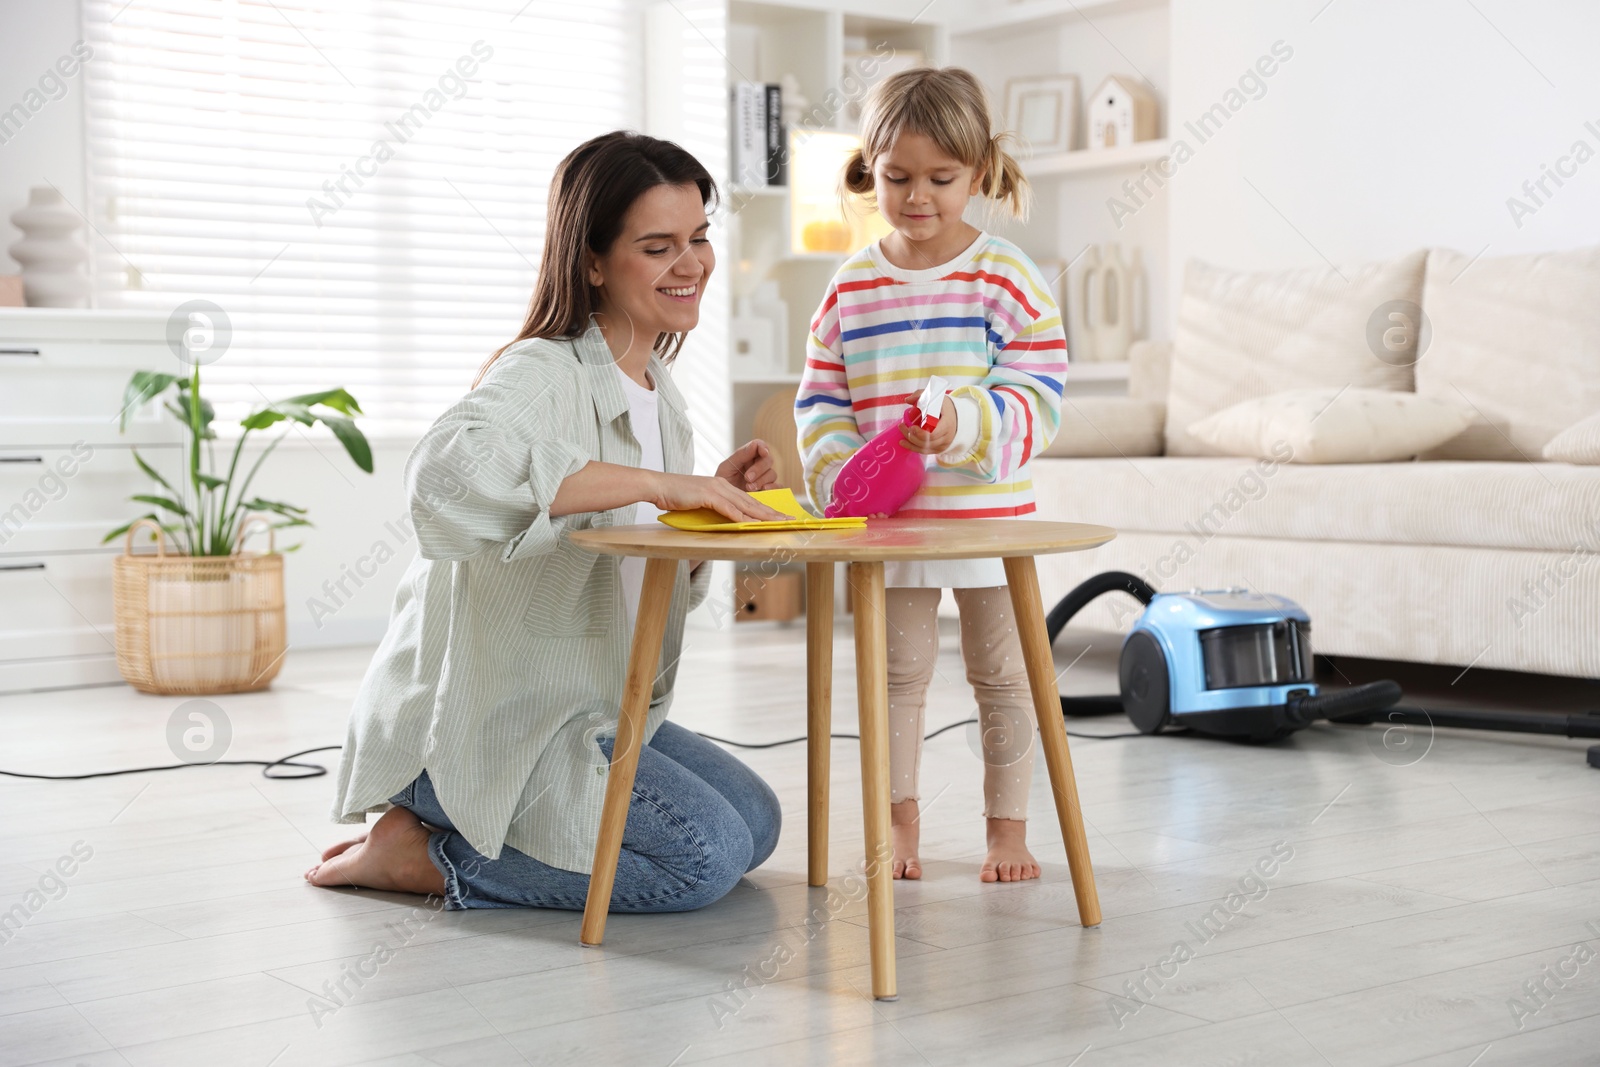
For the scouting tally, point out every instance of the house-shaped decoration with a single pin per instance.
(1121, 111)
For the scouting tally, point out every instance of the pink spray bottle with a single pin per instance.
(884, 473)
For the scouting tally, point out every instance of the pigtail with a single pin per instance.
(1003, 179)
(857, 176)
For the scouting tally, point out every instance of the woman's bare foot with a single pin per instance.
(1009, 859)
(905, 828)
(333, 850)
(393, 855)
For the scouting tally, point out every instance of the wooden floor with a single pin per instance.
(1423, 890)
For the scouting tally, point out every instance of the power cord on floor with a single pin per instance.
(313, 770)
(929, 737)
(317, 770)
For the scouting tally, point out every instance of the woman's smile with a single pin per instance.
(686, 294)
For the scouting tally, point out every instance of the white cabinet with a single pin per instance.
(65, 476)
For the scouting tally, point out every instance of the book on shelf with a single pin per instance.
(777, 152)
(758, 156)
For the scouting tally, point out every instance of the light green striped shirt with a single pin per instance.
(507, 646)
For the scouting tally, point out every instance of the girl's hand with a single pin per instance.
(749, 468)
(683, 492)
(936, 441)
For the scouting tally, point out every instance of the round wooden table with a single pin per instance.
(866, 550)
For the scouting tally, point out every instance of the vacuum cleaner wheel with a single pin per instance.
(1145, 683)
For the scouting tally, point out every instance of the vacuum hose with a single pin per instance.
(1078, 599)
(1373, 696)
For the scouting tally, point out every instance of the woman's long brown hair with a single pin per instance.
(591, 192)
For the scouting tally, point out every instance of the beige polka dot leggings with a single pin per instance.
(993, 655)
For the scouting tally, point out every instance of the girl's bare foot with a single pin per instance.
(1009, 859)
(905, 828)
(392, 856)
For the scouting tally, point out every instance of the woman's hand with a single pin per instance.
(749, 468)
(931, 442)
(683, 492)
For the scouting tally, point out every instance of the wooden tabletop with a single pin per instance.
(880, 541)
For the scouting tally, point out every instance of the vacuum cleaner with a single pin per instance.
(1237, 664)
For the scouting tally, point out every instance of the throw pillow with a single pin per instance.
(1101, 426)
(1333, 426)
(1242, 335)
(1578, 443)
(1516, 340)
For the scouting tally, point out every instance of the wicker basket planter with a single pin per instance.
(196, 625)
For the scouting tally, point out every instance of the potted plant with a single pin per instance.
(208, 617)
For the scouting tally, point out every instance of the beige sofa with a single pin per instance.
(1485, 555)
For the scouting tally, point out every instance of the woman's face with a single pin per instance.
(653, 277)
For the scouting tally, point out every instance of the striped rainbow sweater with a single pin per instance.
(986, 322)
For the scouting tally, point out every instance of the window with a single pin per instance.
(360, 186)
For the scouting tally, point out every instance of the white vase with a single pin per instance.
(50, 252)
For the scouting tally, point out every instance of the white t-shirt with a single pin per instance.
(647, 431)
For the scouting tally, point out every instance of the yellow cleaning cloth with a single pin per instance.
(708, 519)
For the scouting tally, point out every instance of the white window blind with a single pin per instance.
(360, 186)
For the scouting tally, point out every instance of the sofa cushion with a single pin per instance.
(1108, 426)
(1245, 335)
(1518, 339)
(1331, 425)
(1578, 443)
(1553, 506)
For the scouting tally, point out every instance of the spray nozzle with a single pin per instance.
(924, 414)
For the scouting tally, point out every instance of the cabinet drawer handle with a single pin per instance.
(21, 566)
(23, 352)
(21, 459)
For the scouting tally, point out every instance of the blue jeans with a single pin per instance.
(698, 820)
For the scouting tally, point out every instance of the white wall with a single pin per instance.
(49, 145)
(1393, 126)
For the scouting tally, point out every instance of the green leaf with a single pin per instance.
(260, 420)
(207, 412)
(276, 506)
(125, 527)
(144, 385)
(338, 399)
(211, 482)
(162, 502)
(153, 473)
(354, 441)
(299, 409)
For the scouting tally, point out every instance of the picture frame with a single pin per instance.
(1042, 112)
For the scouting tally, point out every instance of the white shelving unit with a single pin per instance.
(1001, 20)
(686, 101)
(1088, 161)
(1074, 190)
(696, 48)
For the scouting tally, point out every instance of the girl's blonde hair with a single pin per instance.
(949, 107)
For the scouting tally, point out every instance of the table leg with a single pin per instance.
(655, 597)
(872, 700)
(819, 713)
(1028, 608)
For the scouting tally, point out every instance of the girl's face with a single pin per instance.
(921, 191)
(653, 277)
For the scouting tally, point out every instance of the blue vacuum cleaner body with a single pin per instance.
(1230, 663)
(1236, 664)
(1233, 659)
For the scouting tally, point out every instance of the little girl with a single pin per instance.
(939, 296)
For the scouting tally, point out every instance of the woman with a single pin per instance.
(487, 716)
